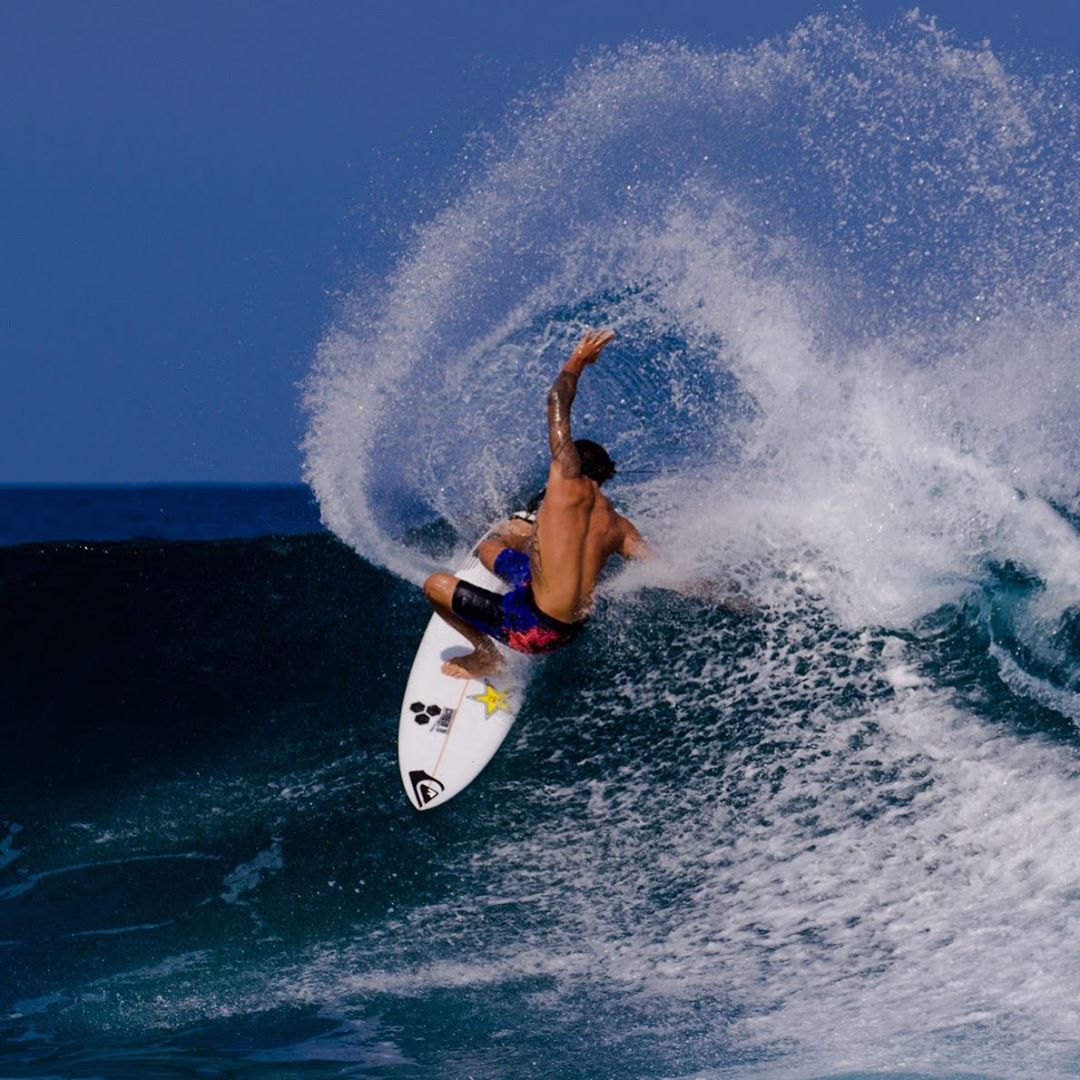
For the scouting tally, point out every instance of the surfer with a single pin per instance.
(551, 567)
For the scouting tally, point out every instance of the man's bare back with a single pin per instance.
(553, 572)
(577, 531)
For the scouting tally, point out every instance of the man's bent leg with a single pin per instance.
(484, 659)
(489, 550)
(512, 533)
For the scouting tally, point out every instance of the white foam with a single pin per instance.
(843, 270)
(893, 438)
(247, 877)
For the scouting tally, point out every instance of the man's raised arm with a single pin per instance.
(561, 397)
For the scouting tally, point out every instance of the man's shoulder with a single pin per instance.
(625, 527)
(569, 489)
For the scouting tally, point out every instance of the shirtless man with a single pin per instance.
(551, 568)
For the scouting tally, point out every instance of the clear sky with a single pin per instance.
(184, 186)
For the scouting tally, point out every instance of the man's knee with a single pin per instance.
(490, 549)
(439, 588)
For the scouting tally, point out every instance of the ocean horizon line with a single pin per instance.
(166, 511)
(23, 485)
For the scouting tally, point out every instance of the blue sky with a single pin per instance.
(185, 186)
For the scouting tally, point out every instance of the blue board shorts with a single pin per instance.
(512, 617)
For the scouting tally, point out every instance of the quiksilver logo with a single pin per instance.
(425, 787)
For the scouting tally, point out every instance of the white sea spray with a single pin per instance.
(842, 266)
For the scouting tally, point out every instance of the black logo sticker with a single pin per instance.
(423, 713)
(425, 787)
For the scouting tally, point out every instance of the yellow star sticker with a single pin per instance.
(492, 699)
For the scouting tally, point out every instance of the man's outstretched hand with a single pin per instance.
(591, 346)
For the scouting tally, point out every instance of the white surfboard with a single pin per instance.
(450, 728)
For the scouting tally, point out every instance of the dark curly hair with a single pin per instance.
(596, 463)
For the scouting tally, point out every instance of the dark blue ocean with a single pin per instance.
(40, 512)
(208, 866)
(836, 837)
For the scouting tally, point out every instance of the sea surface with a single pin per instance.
(835, 837)
(46, 512)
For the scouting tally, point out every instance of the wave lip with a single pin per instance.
(842, 264)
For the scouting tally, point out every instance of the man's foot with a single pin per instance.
(483, 661)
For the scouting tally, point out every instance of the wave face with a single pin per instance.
(793, 850)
